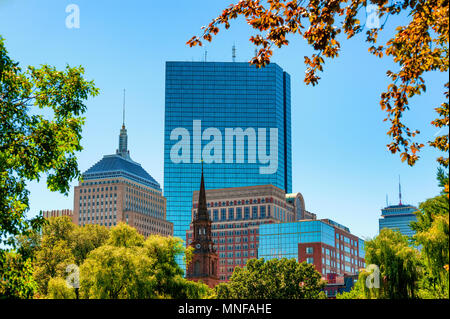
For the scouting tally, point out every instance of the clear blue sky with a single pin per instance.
(340, 161)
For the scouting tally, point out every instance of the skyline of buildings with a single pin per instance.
(253, 217)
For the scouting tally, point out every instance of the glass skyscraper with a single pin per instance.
(398, 217)
(233, 117)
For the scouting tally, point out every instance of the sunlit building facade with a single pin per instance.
(117, 189)
(236, 214)
(329, 246)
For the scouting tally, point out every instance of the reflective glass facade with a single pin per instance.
(281, 240)
(329, 246)
(398, 217)
(220, 96)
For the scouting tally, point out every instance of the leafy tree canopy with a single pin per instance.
(275, 278)
(40, 130)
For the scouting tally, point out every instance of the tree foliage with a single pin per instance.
(275, 278)
(87, 238)
(398, 262)
(129, 267)
(16, 277)
(432, 235)
(417, 48)
(40, 130)
(55, 252)
(58, 289)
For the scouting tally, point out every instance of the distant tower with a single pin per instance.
(123, 137)
(203, 266)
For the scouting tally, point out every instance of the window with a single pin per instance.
(254, 212)
(238, 213)
(310, 260)
(230, 213)
(309, 250)
(223, 214)
(263, 211)
(246, 212)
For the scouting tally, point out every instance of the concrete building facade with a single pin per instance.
(117, 189)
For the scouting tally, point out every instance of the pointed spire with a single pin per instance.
(399, 191)
(123, 136)
(387, 200)
(202, 207)
(123, 112)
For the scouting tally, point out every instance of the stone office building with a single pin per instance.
(117, 189)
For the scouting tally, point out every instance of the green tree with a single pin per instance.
(87, 238)
(168, 274)
(398, 262)
(432, 235)
(55, 252)
(40, 130)
(275, 278)
(123, 235)
(129, 267)
(418, 48)
(16, 277)
(58, 289)
(111, 272)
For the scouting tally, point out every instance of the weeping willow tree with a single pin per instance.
(432, 235)
(397, 266)
(398, 262)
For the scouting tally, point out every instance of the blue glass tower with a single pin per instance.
(234, 117)
(398, 217)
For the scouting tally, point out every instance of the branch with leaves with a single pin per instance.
(417, 48)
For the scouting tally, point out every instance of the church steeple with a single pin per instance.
(204, 260)
(202, 207)
(123, 137)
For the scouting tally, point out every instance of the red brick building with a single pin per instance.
(236, 214)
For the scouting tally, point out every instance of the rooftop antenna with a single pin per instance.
(399, 190)
(123, 111)
(206, 55)
(387, 201)
(234, 52)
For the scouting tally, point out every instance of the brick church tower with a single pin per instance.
(204, 264)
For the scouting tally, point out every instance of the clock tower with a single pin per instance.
(203, 266)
